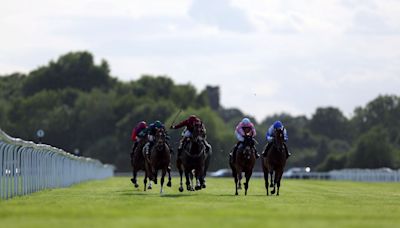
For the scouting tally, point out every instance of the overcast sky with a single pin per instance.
(268, 56)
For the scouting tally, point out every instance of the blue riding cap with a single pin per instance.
(278, 124)
(246, 121)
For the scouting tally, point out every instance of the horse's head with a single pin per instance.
(195, 147)
(248, 145)
(279, 139)
(160, 137)
(197, 133)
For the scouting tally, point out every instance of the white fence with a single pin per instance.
(367, 175)
(26, 167)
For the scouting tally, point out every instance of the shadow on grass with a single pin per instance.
(241, 195)
(150, 193)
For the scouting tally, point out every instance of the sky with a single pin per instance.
(267, 56)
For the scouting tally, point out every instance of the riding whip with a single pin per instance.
(173, 122)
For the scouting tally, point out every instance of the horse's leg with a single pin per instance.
(199, 178)
(191, 178)
(246, 185)
(266, 178)
(155, 175)
(240, 179)
(180, 174)
(169, 184)
(164, 171)
(206, 164)
(145, 181)
(279, 181)
(234, 173)
(188, 186)
(134, 180)
(274, 185)
(272, 182)
(198, 185)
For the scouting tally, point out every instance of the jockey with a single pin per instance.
(244, 127)
(190, 124)
(270, 135)
(138, 134)
(151, 132)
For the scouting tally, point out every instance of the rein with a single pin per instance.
(187, 152)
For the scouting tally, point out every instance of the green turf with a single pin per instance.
(115, 203)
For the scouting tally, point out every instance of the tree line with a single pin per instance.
(80, 105)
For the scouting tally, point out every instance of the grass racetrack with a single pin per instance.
(115, 203)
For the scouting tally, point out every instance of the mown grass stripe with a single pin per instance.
(115, 203)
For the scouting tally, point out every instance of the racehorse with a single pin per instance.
(194, 161)
(138, 163)
(275, 161)
(159, 159)
(243, 161)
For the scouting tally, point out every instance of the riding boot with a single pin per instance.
(265, 152)
(170, 148)
(255, 152)
(208, 147)
(180, 148)
(287, 152)
(147, 149)
(134, 146)
(232, 155)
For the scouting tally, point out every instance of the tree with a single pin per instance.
(373, 150)
(73, 70)
(330, 122)
(384, 111)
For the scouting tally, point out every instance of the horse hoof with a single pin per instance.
(169, 184)
(136, 186)
(272, 192)
(236, 194)
(203, 186)
(181, 189)
(155, 181)
(198, 187)
(149, 187)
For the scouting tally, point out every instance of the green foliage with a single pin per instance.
(330, 122)
(80, 106)
(373, 149)
(11, 86)
(384, 111)
(73, 70)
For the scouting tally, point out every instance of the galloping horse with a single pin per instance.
(275, 161)
(243, 162)
(194, 161)
(138, 163)
(159, 159)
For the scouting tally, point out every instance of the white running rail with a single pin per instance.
(26, 167)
